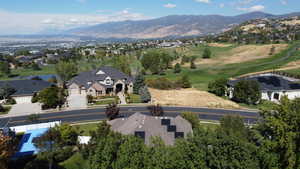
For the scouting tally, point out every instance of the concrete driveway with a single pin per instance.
(77, 101)
(25, 109)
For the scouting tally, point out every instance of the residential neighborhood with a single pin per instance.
(199, 84)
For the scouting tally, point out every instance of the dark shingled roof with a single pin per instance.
(26, 87)
(270, 82)
(92, 76)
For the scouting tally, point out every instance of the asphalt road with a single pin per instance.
(95, 114)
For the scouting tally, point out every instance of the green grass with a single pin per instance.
(45, 70)
(134, 98)
(75, 162)
(85, 129)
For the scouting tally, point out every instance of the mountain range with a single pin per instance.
(170, 26)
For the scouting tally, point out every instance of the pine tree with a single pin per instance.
(139, 83)
(177, 68)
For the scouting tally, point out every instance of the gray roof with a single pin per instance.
(92, 76)
(270, 82)
(151, 126)
(26, 87)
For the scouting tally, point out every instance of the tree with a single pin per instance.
(112, 111)
(4, 68)
(272, 50)
(156, 110)
(68, 134)
(234, 126)
(145, 94)
(138, 83)
(6, 150)
(6, 91)
(122, 63)
(66, 70)
(51, 97)
(246, 91)
(206, 53)
(218, 87)
(2, 109)
(48, 144)
(35, 66)
(192, 118)
(177, 68)
(280, 128)
(192, 62)
(156, 61)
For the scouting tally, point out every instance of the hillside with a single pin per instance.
(267, 30)
(169, 26)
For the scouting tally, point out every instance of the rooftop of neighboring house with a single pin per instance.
(146, 127)
(86, 79)
(26, 87)
(270, 81)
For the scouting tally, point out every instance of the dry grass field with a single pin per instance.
(190, 97)
(243, 53)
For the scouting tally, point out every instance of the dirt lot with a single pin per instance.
(190, 97)
(243, 54)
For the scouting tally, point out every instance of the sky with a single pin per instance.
(40, 16)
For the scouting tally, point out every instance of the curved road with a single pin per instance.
(74, 116)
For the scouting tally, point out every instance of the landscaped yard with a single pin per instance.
(75, 162)
(86, 128)
(134, 98)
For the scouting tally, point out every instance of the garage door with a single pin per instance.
(74, 91)
(25, 99)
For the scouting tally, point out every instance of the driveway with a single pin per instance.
(77, 101)
(25, 109)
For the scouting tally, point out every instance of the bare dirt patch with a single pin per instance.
(243, 54)
(190, 97)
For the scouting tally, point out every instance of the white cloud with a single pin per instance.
(170, 5)
(253, 8)
(203, 1)
(25, 23)
(221, 5)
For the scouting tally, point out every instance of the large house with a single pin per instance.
(103, 81)
(25, 89)
(147, 127)
(273, 87)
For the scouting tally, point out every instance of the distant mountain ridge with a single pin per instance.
(169, 26)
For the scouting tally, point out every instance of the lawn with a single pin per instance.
(134, 98)
(45, 70)
(86, 128)
(209, 125)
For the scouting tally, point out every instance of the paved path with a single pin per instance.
(77, 101)
(122, 98)
(25, 109)
(75, 116)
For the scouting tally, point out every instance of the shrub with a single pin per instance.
(10, 101)
(90, 99)
(145, 94)
(184, 82)
(192, 118)
(2, 109)
(218, 87)
(35, 98)
(206, 53)
(161, 83)
(247, 91)
(177, 68)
